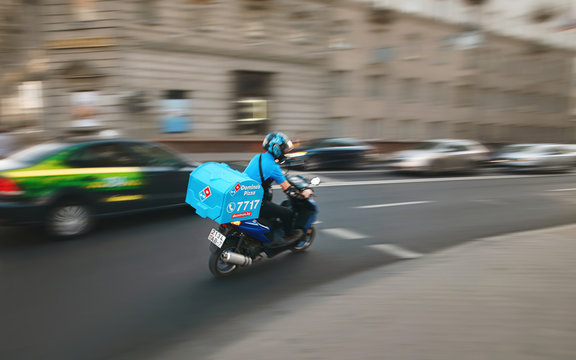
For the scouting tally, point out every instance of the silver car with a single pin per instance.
(549, 157)
(440, 156)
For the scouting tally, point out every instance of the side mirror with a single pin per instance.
(315, 181)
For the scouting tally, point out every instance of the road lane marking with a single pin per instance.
(396, 251)
(345, 233)
(573, 189)
(346, 172)
(490, 201)
(392, 204)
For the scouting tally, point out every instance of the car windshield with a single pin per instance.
(427, 145)
(537, 149)
(37, 153)
(321, 143)
(516, 148)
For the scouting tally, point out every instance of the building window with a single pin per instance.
(255, 27)
(176, 109)
(407, 130)
(256, 16)
(253, 94)
(374, 86)
(340, 82)
(443, 51)
(202, 14)
(372, 129)
(442, 9)
(464, 95)
(413, 47)
(383, 54)
(339, 35)
(301, 24)
(338, 127)
(439, 93)
(85, 108)
(409, 90)
(84, 10)
(470, 58)
(412, 6)
(148, 11)
(437, 130)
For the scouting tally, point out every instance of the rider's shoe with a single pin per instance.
(296, 234)
(286, 240)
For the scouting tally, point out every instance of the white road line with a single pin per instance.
(573, 189)
(407, 181)
(490, 201)
(392, 204)
(396, 251)
(352, 172)
(345, 234)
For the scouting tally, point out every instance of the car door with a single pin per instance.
(107, 175)
(339, 153)
(456, 157)
(166, 174)
(563, 158)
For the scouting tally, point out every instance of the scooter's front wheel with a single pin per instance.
(218, 267)
(306, 241)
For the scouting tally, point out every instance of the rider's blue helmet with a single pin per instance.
(277, 144)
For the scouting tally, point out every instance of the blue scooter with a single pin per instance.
(241, 243)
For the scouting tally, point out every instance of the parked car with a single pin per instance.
(331, 153)
(499, 156)
(439, 156)
(66, 185)
(549, 157)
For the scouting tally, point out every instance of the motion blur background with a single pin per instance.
(210, 75)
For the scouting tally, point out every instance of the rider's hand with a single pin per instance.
(307, 193)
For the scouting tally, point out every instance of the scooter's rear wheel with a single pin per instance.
(219, 267)
(306, 241)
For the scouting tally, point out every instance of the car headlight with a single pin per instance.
(418, 161)
(295, 154)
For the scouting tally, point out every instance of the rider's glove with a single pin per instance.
(293, 193)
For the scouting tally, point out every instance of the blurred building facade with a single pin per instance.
(410, 75)
(379, 70)
(172, 68)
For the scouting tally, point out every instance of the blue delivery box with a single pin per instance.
(223, 194)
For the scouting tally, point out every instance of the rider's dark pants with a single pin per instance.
(271, 210)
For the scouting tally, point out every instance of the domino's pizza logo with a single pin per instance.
(205, 193)
(236, 188)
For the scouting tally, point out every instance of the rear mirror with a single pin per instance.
(315, 181)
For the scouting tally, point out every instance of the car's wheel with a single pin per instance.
(472, 168)
(435, 168)
(362, 162)
(69, 219)
(305, 243)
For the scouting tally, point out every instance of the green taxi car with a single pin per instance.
(67, 185)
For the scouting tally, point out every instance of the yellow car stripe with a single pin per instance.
(124, 198)
(78, 171)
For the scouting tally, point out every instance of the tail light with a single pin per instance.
(9, 187)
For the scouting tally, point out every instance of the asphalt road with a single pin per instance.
(141, 283)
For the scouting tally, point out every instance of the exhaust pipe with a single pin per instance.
(236, 259)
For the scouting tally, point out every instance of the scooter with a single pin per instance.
(241, 243)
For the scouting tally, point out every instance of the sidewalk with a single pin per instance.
(509, 297)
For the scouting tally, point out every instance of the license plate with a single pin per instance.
(216, 237)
